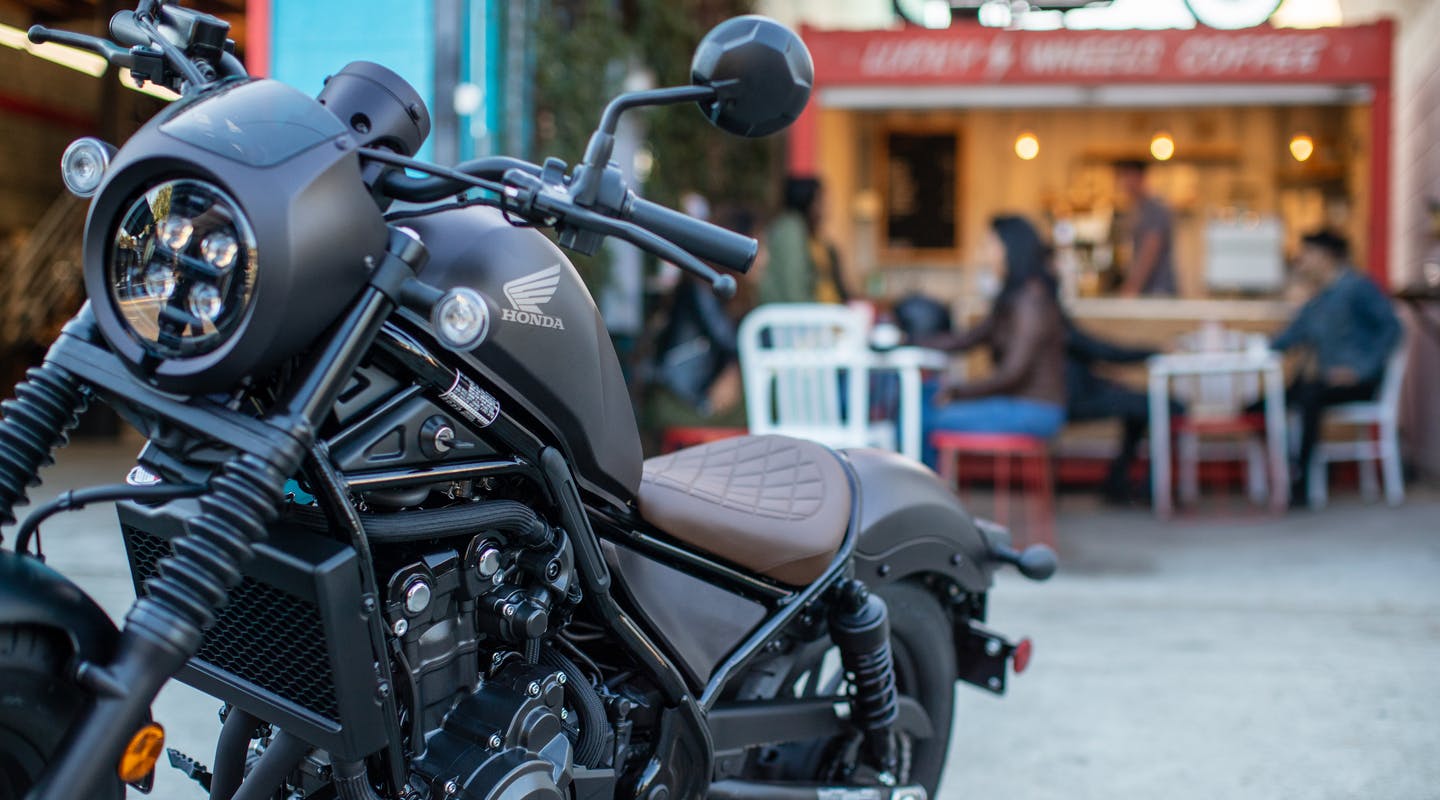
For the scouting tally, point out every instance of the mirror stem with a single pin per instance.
(602, 142)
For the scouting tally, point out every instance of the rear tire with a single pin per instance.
(922, 644)
(923, 650)
(38, 704)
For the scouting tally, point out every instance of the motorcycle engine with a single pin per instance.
(485, 720)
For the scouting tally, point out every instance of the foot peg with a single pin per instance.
(192, 769)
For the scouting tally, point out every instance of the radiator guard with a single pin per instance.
(292, 646)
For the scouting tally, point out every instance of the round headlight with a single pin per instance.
(182, 268)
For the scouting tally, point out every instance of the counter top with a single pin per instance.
(1147, 308)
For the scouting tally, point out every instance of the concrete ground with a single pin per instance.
(1210, 657)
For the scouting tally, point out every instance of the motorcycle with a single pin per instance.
(392, 510)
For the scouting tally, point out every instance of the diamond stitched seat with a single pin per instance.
(777, 505)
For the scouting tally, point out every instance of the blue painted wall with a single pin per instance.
(311, 39)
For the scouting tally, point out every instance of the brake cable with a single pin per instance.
(79, 498)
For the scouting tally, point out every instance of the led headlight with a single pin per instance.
(182, 268)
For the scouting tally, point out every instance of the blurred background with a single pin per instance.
(1261, 120)
(1228, 653)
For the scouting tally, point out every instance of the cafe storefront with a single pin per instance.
(1252, 137)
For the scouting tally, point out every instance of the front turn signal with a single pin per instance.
(141, 753)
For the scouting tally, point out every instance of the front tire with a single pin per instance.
(38, 704)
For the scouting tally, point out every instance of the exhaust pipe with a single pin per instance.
(759, 790)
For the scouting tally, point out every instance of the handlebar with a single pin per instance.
(541, 194)
(710, 242)
(400, 186)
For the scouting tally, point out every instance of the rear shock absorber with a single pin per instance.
(47, 404)
(860, 629)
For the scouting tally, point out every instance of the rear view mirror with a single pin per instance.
(761, 73)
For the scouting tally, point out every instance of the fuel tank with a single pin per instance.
(548, 350)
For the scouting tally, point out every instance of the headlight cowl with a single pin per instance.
(206, 262)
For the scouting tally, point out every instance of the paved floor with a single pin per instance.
(1206, 658)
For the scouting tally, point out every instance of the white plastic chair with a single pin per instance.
(1212, 398)
(1379, 420)
(806, 372)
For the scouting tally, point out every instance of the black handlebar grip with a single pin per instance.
(710, 242)
(126, 31)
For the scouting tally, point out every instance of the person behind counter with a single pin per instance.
(803, 267)
(1151, 228)
(1025, 331)
(1349, 329)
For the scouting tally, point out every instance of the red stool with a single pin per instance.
(679, 438)
(1036, 478)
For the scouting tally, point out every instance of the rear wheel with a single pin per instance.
(922, 647)
(37, 704)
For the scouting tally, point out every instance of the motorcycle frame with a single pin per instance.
(80, 351)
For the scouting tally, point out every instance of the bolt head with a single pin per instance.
(533, 689)
(451, 787)
(400, 627)
(560, 678)
(564, 713)
(994, 683)
(496, 742)
(488, 562)
(417, 595)
(509, 609)
(992, 647)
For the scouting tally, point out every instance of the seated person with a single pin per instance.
(1093, 397)
(1349, 329)
(1026, 334)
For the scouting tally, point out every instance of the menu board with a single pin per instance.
(920, 191)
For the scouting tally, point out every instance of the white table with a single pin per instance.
(909, 363)
(1267, 364)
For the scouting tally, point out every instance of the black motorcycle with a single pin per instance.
(392, 510)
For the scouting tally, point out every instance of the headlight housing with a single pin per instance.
(227, 235)
(182, 268)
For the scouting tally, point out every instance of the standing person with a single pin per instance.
(1025, 331)
(1151, 228)
(803, 267)
(1349, 329)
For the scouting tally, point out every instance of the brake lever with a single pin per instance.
(531, 196)
(113, 53)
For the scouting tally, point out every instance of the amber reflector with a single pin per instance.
(141, 753)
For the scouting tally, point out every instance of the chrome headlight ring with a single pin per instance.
(181, 268)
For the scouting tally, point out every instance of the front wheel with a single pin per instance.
(923, 650)
(37, 705)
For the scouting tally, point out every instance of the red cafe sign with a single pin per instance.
(970, 54)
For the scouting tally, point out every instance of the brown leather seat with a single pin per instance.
(776, 505)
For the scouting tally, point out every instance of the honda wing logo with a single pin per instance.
(527, 294)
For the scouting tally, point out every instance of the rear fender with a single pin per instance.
(912, 525)
(32, 593)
